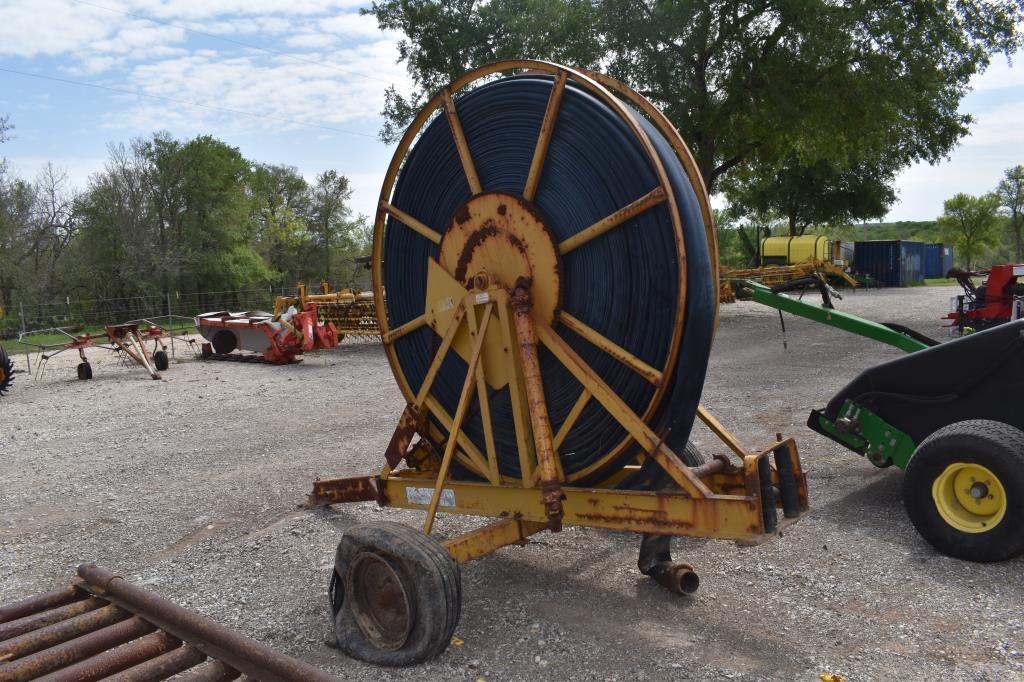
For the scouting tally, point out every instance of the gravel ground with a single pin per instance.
(193, 486)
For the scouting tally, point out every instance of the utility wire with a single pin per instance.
(231, 40)
(125, 91)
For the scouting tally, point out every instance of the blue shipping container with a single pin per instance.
(938, 260)
(895, 263)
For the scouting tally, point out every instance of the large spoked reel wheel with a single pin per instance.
(6, 372)
(569, 179)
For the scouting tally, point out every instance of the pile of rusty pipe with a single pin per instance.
(242, 653)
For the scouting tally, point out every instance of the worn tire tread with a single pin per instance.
(998, 446)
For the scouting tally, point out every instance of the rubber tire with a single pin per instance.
(692, 456)
(161, 361)
(430, 576)
(6, 372)
(224, 342)
(995, 445)
(84, 371)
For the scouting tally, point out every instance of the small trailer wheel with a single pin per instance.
(84, 371)
(6, 371)
(395, 595)
(964, 490)
(161, 361)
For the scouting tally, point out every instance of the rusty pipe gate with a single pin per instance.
(103, 627)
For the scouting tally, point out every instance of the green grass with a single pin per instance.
(939, 282)
(33, 340)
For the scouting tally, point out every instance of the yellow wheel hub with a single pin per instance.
(969, 497)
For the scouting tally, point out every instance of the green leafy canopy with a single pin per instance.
(836, 95)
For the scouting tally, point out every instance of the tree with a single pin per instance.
(329, 215)
(744, 81)
(739, 236)
(280, 204)
(816, 193)
(970, 224)
(1011, 197)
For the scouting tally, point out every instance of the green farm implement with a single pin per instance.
(948, 414)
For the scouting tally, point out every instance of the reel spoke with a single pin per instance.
(570, 420)
(410, 326)
(547, 127)
(610, 222)
(611, 348)
(410, 222)
(485, 403)
(460, 143)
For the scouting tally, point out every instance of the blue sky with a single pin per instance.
(319, 63)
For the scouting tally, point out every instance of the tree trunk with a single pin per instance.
(1016, 235)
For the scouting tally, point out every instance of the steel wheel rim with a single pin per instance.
(382, 608)
(969, 497)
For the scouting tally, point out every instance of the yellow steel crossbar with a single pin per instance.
(730, 517)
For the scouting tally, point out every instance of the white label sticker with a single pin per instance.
(1018, 271)
(485, 297)
(424, 495)
(446, 304)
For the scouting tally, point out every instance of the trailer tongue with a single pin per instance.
(949, 414)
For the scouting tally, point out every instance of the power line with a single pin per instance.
(231, 40)
(125, 91)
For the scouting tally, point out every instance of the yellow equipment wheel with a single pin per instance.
(969, 497)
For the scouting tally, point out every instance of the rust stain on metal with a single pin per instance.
(133, 635)
(340, 490)
(478, 237)
(402, 437)
(462, 214)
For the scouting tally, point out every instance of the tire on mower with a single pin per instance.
(224, 342)
(84, 371)
(161, 361)
(964, 490)
(395, 595)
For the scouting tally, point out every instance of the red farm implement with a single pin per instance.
(998, 299)
(129, 341)
(280, 339)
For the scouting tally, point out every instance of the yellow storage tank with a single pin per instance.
(793, 250)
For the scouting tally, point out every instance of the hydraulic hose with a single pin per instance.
(623, 284)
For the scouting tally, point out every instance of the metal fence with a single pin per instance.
(72, 314)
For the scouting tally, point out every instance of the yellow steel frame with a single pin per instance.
(722, 500)
(497, 329)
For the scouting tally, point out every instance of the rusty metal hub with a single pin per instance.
(504, 238)
(380, 603)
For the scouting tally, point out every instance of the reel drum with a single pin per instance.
(552, 178)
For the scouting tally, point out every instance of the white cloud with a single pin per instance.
(51, 27)
(351, 25)
(344, 86)
(1001, 74)
(311, 40)
(1000, 126)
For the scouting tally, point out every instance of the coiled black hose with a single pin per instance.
(623, 284)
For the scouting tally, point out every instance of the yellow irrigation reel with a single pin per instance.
(548, 252)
